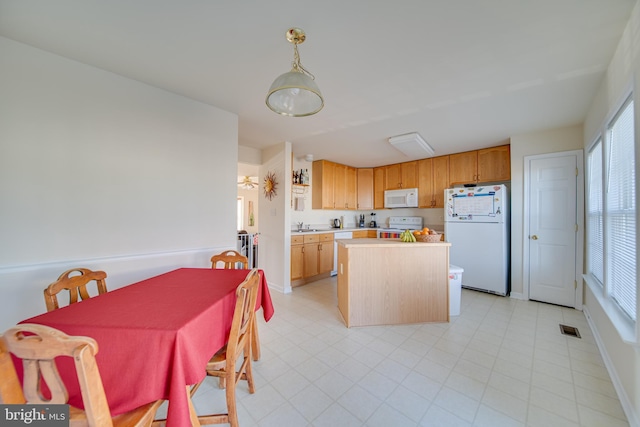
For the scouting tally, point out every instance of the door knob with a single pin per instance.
(534, 237)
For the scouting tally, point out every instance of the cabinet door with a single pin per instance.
(325, 257)
(425, 183)
(463, 167)
(378, 187)
(409, 174)
(365, 188)
(310, 254)
(323, 178)
(441, 170)
(393, 177)
(297, 262)
(339, 186)
(494, 164)
(351, 188)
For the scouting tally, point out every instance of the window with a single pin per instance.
(611, 215)
(620, 212)
(595, 221)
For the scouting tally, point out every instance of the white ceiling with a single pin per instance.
(465, 74)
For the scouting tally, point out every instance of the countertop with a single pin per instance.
(332, 230)
(385, 243)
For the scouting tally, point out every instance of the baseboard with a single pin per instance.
(517, 295)
(627, 406)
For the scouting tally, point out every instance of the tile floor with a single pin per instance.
(502, 362)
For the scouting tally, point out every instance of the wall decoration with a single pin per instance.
(270, 185)
(251, 220)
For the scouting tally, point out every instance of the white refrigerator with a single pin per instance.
(476, 223)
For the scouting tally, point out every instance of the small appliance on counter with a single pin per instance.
(336, 223)
(372, 223)
(361, 222)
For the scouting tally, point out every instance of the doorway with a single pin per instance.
(554, 228)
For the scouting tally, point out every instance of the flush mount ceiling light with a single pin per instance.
(412, 145)
(295, 93)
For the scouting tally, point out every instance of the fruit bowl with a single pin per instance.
(428, 238)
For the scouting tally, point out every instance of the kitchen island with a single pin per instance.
(389, 282)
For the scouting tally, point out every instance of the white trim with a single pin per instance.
(579, 154)
(627, 406)
(517, 295)
(622, 324)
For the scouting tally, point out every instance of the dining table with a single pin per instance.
(155, 336)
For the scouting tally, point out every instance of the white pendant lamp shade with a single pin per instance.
(294, 94)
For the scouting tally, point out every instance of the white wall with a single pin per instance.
(540, 142)
(274, 242)
(101, 171)
(622, 359)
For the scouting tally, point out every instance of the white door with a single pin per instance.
(552, 235)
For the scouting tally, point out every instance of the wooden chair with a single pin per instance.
(223, 363)
(37, 346)
(230, 259)
(76, 284)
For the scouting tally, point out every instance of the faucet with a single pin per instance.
(300, 225)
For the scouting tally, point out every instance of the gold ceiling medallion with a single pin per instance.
(270, 185)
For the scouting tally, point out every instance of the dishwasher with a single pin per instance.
(336, 236)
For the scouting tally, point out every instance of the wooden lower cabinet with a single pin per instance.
(311, 257)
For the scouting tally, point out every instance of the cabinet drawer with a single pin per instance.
(328, 237)
(359, 234)
(311, 238)
(297, 240)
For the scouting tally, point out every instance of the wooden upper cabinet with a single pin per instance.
(339, 187)
(322, 196)
(494, 164)
(463, 167)
(401, 175)
(425, 183)
(486, 165)
(365, 188)
(441, 171)
(379, 185)
(335, 186)
(433, 179)
(351, 188)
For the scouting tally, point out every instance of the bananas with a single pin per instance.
(407, 236)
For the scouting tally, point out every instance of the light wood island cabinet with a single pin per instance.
(387, 282)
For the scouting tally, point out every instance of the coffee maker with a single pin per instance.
(361, 223)
(373, 223)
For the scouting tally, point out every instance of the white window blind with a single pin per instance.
(620, 218)
(595, 223)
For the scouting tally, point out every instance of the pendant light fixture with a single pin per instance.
(295, 93)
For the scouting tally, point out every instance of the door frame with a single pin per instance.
(579, 154)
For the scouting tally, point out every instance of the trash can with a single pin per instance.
(455, 289)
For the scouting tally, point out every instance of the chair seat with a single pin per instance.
(141, 416)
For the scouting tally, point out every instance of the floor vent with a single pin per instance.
(569, 330)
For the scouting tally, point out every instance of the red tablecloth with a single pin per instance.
(155, 336)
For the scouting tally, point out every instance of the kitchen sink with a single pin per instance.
(307, 230)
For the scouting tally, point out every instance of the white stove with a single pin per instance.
(397, 224)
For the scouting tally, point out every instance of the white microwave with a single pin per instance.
(402, 198)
